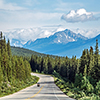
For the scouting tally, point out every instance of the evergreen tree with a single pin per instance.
(13, 59)
(83, 62)
(58, 66)
(27, 69)
(50, 69)
(91, 64)
(22, 68)
(1, 37)
(42, 66)
(63, 71)
(96, 63)
(9, 49)
(4, 64)
(45, 64)
(1, 73)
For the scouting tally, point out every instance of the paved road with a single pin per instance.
(47, 91)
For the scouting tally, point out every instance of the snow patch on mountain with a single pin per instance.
(67, 36)
(19, 37)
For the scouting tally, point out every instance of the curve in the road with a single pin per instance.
(35, 94)
(47, 91)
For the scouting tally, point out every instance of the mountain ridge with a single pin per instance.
(49, 46)
(60, 37)
(61, 43)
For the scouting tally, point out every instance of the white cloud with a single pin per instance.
(90, 33)
(25, 35)
(80, 15)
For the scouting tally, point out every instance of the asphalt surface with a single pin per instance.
(47, 91)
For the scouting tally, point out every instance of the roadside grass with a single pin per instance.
(7, 88)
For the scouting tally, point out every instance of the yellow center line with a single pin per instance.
(35, 94)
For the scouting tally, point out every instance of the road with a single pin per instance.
(47, 91)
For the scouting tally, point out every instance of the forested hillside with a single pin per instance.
(78, 78)
(14, 71)
(79, 74)
(26, 52)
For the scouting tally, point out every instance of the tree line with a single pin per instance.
(12, 67)
(87, 65)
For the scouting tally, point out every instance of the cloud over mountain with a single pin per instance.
(80, 15)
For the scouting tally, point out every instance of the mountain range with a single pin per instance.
(61, 43)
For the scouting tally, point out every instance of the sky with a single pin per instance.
(77, 14)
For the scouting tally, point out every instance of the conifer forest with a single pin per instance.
(15, 71)
(76, 77)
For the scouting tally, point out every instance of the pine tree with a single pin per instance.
(4, 64)
(58, 65)
(13, 59)
(83, 62)
(63, 70)
(9, 49)
(27, 70)
(50, 69)
(91, 64)
(45, 64)
(42, 66)
(1, 37)
(22, 68)
(18, 69)
(96, 64)
(1, 73)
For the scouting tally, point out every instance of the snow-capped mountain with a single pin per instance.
(54, 41)
(67, 36)
(61, 37)
(74, 48)
(18, 37)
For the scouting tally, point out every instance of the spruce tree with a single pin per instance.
(83, 62)
(4, 64)
(13, 60)
(91, 64)
(22, 69)
(9, 49)
(1, 72)
(50, 69)
(27, 70)
(96, 64)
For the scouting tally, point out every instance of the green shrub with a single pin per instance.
(70, 94)
(98, 88)
(16, 85)
(85, 85)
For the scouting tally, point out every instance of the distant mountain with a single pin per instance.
(70, 49)
(18, 37)
(58, 44)
(62, 37)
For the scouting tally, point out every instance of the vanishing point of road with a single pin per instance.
(47, 91)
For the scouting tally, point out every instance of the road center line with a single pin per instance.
(35, 94)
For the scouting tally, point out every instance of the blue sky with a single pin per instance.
(37, 13)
